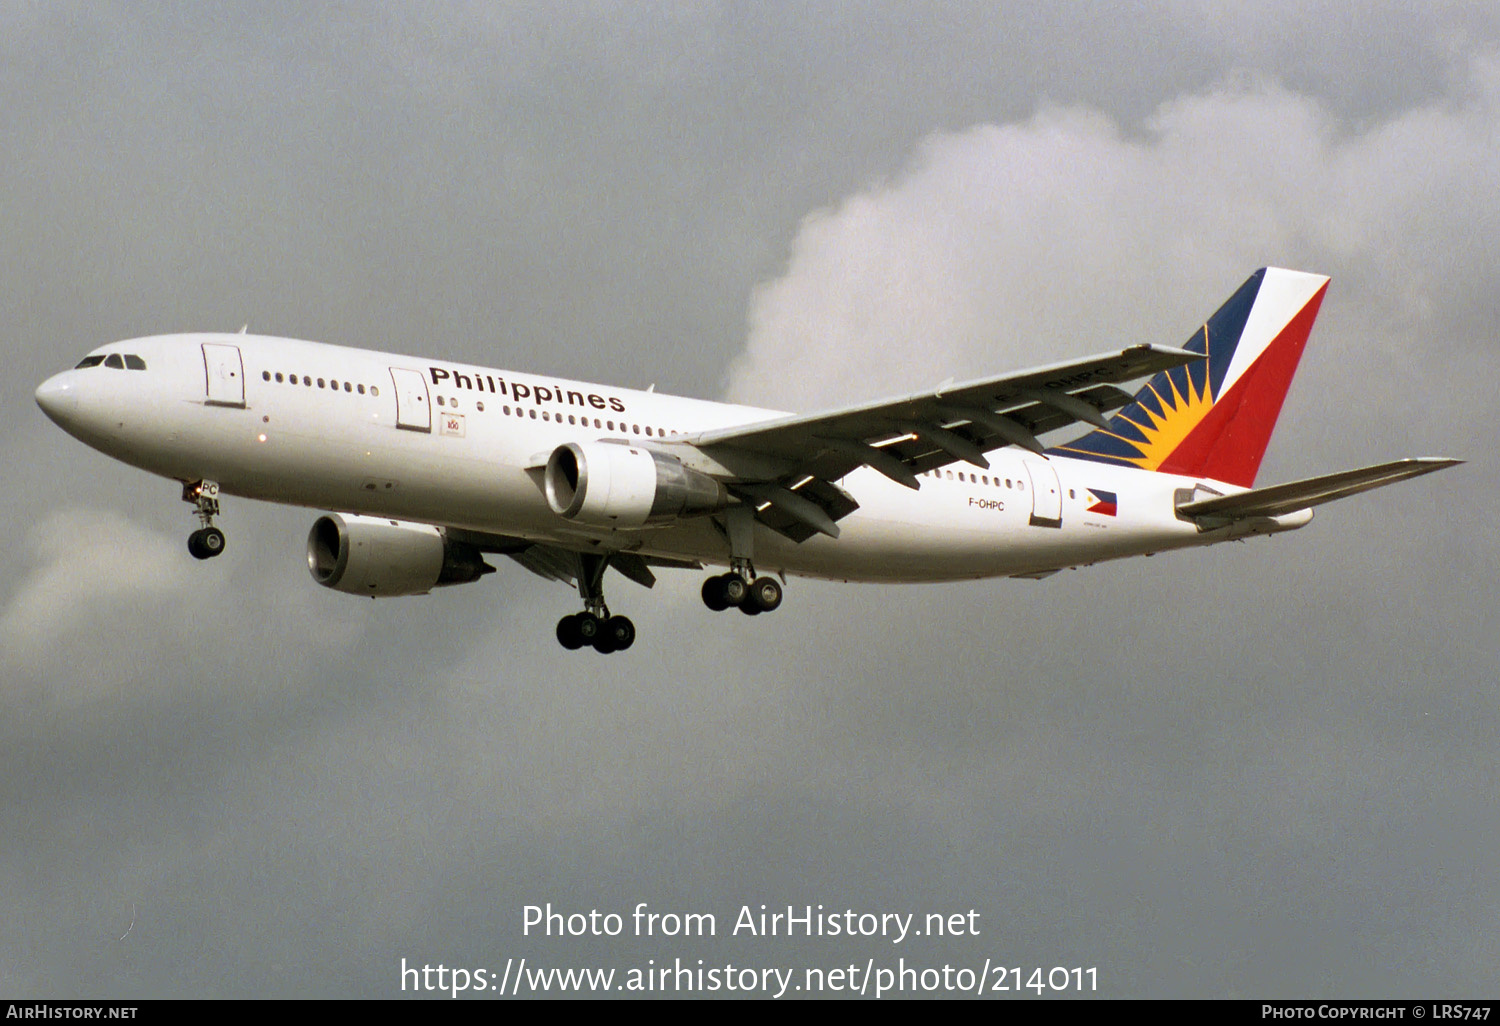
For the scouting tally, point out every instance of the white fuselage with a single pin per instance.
(450, 444)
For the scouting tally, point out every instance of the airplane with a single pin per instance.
(430, 465)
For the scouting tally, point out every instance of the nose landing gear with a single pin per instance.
(208, 541)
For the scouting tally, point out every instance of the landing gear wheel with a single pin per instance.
(765, 595)
(589, 628)
(620, 632)
(206, 543)
(713, 594)
(735, 589)
(594, 626)
(567, 633)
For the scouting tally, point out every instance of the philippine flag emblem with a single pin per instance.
(1104, 503)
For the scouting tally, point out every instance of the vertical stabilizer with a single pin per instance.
(1214, 418)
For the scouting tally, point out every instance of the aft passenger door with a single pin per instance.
(225, 375)
(1046, 494)
(413, 409)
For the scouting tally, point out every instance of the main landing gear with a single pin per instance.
(208, 541)
(753, 595)
(594, 626)
(740, 587)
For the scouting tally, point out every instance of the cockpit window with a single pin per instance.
(133, 362)
(89, 361)
(115, 361)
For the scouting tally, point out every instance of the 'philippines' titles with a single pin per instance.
(539, 394)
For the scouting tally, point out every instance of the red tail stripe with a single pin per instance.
(1230, 441)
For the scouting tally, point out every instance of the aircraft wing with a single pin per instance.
(906, 435)
(1296, 495)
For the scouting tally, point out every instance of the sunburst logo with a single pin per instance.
(1165, 431)
(1150, 429)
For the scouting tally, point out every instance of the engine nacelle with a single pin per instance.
(607, 484)
(378, 556)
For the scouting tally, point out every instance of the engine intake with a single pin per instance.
(607, 484)
(377, 556)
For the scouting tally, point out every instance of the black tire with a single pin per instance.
(196, 547)
(604, 644)
(713, 594)
(765, 594)
(750, 608)
(213, 541)
(621, 633)
(735, 589)
(567, 633)
(588, 627)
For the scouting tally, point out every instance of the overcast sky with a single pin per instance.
(1263, 769)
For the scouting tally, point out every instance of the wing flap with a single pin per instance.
(1278, 500)
(1057, 395)
(908, 435)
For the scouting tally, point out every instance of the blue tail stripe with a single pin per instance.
(1217, 339)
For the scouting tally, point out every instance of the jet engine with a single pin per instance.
(607, 484)
(377, 556)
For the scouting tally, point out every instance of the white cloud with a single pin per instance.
(1009, 245)
(113, 611)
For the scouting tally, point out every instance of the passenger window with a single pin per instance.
(265, 375)
(114, 361)
(334, 385)
(533, 414)
(280, 377)
(348, 387)
(546, 415)
(361, 389)
(89, 361)
(374, 390)
(320, 383)
(440, 400)
(635, 428)
(307, 381)
(479, 405)
(133, 362)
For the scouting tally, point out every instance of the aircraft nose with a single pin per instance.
(58, 397)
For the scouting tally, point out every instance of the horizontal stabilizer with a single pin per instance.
(1278, 500)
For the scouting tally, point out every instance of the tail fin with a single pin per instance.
(1214, 418)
